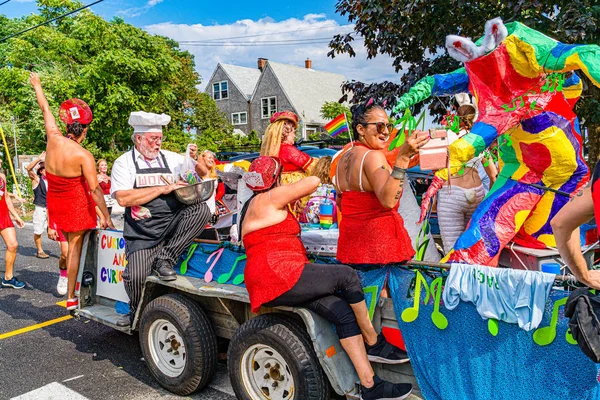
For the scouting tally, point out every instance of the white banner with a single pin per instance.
(111, 264)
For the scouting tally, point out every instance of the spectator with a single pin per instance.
(104, 182)
(193, 148)
(9, 235)
(39, 185)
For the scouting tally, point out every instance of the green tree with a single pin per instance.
(115, 67)
(413, 33)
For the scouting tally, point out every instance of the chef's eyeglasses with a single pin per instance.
(155, 139)
(381, 126)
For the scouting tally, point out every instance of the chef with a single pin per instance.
(158, 228)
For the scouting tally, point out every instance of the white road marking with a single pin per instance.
(52, 391)
(73, 378)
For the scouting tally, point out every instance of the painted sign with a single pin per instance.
(111, 264)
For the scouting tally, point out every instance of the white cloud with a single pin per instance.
(137, 11)
(257, 37)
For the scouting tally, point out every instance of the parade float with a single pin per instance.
(460, 346)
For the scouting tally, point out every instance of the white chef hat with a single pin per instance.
(143, 122)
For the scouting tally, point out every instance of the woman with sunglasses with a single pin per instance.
(278, 273)
(369, 191)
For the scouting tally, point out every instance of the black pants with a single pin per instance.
(139, 263)
(328, 290)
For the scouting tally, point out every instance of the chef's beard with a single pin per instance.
(148, 152)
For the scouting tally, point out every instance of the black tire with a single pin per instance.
(198, 363)
(288, 338)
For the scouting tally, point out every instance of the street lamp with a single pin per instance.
(12, 118)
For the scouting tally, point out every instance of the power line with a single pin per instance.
(190, 42)
(49, 21)
(258, 44)
(4, 2)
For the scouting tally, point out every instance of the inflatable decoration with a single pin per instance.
(525, 90)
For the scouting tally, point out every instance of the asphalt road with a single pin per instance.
(69, 359)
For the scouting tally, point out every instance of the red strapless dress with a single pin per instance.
(370, 233)
(70, 203)
(5, 221)
(275, 261)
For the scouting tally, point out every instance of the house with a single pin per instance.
(250, 96)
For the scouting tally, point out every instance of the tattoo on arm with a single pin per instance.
(398, 193)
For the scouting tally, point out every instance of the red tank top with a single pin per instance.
(275, 261)
(371, 233)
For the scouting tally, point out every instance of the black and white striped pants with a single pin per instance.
(139, 263)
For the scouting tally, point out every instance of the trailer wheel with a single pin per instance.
(272, 357)
(178, 343)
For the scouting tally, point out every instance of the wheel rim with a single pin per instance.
(266, 374)
(167, 348)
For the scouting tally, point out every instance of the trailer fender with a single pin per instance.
(334, 360)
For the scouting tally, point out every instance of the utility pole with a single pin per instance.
(16, 163)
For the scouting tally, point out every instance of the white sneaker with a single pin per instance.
(61, 286)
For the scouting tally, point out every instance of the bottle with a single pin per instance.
(326, 213)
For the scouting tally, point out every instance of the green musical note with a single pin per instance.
(410, 314)
(225, 277)
(437, 317)
(184, 263)
(546, 335)
(372, 290)
(493, 326)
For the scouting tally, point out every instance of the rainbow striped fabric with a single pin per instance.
(337, 126)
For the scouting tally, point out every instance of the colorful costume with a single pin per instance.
(275, 261)
(520, 92)
(70, 203)
(5, 221)
(296, 163)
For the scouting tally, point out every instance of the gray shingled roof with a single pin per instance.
(243, 77)
(308, 89)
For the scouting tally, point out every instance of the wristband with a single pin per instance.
(399, 173)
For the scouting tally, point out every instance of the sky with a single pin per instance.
(269, 29)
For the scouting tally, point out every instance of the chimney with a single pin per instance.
(308, 63)
(262, 62)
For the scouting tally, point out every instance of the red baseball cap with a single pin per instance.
(263, 173)
(75, 110)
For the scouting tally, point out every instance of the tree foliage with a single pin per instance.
(113, 66)
(413, 32)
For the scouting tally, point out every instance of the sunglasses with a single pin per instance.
(381, 126)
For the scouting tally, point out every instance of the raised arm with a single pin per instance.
(49, 121)
(281, 196)
(31, 166)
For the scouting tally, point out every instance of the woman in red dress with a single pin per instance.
(9, 235)
(278, 273)
(279, 142)
(73, 190)
(104, 182)
(369, 191)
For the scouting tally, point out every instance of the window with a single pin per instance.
(269, 106)
(220, 90)
(240, 118)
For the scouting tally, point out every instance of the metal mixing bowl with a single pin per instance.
(198, 192)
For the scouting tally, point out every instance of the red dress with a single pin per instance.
(275, 261)
(370, 233)
(105, 186)
(293, 159)
(70, 203)
(5, 221)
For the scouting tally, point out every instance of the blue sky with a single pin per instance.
(260, 22)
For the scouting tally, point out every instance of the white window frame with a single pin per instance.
(239, 115)
(220, 92)
(270, 110)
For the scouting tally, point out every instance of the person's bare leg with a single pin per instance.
(355, 348)
(364, 323)
(75, 240)
(38, 243)
(9, 235)
(64, 249)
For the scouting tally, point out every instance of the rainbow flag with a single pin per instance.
(337, 126)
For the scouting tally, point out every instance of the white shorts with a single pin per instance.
(40, 220)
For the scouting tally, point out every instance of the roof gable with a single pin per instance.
(244, 78)
(308, 89)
